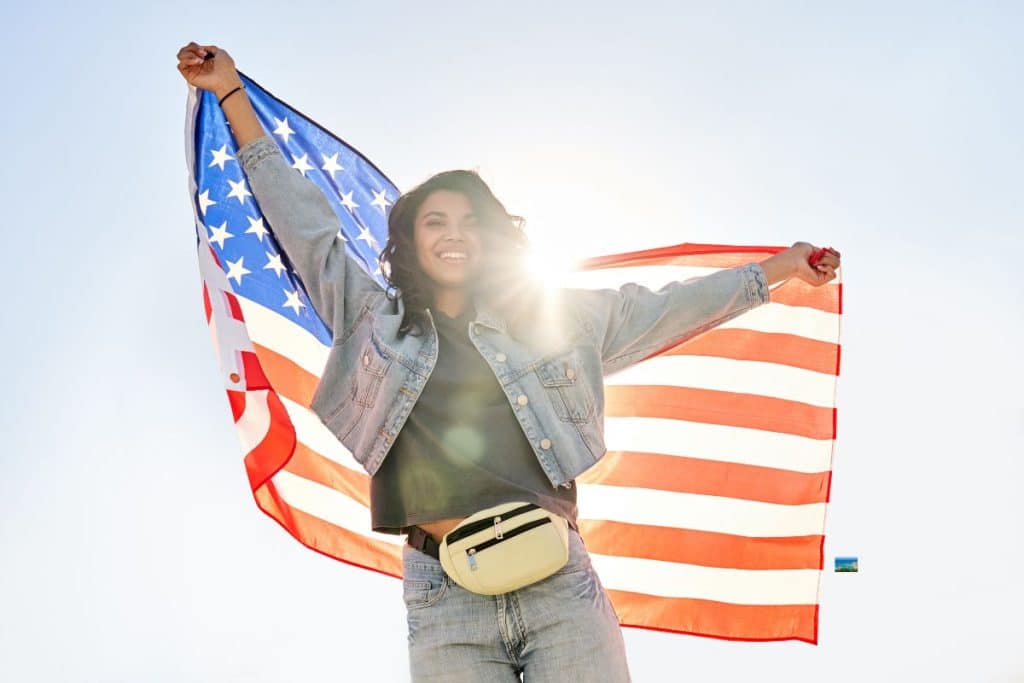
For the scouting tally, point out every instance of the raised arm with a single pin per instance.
(635, 322)
(301, 218)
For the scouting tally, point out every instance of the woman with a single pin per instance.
(480, 390)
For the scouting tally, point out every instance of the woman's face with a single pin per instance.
(447, 238)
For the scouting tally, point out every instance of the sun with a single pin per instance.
(550, 265)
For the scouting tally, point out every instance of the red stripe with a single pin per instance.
(331, 540)
(796, 292)
(236, 399)
(766, 347)
(276, 447)
(708, 477)
(206, 302)
(286, 376)
(309, 464)
(254, 377)
(720, 407)
(709, 255)
(716, 619)
(233, 306)
(703, 548)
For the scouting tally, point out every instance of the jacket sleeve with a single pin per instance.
(634, 322)
(306, 227)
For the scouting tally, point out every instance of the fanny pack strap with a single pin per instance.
(422, 541)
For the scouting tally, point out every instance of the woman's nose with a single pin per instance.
(455, 233)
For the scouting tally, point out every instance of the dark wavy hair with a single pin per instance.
(503, 281)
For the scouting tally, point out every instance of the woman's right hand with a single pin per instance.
(216, 74)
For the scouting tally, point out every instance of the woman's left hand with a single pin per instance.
(795, 262)
(820, 273)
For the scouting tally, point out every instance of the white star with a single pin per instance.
(301, 164)
(380, 199)
(239, 191)
(282, 128)
(342, 236)
(237, 270)
(274, 263)
(377, 272)
(365, 235)
(331, 164)
(256, 226)
(220, 234)
(220, 156)
(346, 201)
(205, 201)
(292, 301)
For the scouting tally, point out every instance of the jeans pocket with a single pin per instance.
(422, 590)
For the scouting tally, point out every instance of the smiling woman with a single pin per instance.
(448, 239)
(473, 398)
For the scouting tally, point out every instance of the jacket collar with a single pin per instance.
(485, 315)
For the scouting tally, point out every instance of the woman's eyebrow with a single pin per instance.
(442, 214)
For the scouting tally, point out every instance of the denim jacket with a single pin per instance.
(551, 369)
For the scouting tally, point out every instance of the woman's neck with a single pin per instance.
(451, 302)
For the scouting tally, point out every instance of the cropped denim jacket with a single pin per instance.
(551, 370)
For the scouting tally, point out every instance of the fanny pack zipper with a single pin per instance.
(515, 532)
(482, 524)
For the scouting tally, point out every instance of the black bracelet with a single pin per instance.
(221, 102)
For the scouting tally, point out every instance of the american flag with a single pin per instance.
(707, 514)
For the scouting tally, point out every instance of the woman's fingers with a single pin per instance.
(193, 53)
(830, 259)
(189, 50)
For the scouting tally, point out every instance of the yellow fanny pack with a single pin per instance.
(505, 547)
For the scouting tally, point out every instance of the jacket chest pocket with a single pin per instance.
(571, 398)
(372, 367)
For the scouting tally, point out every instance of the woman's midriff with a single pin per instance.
(439, 528)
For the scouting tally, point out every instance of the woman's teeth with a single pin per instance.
(453, 256)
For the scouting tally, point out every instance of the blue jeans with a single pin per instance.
(562, 628)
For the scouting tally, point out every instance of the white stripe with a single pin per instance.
(313, 434)
(728, 374)
(801, 321)
(329, 505)
(719, 514)
(654, 277)
(272, 330)
(718, 442)
(254, 422)
(736, 586)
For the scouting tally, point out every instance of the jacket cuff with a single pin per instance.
(255, 151)
(756, 284)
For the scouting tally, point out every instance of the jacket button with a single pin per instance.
(570, 373)
(500, 357)
(522, 400)
(567, 485)
(545, 443)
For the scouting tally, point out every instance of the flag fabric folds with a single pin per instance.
(706, 516)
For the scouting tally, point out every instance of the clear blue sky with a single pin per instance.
(131, 549)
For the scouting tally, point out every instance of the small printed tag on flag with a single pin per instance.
(846, 564)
